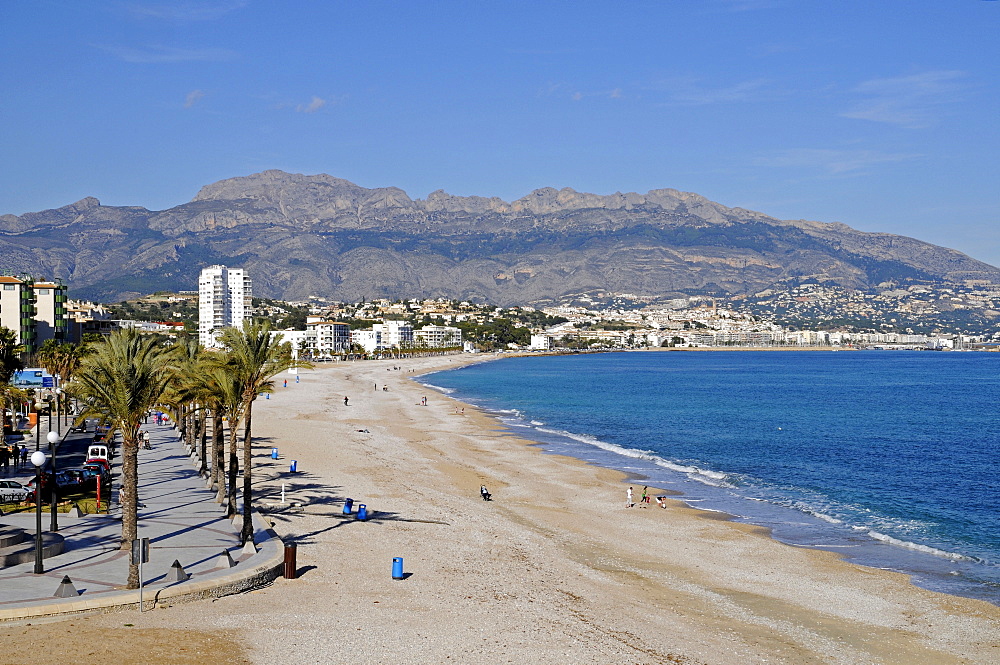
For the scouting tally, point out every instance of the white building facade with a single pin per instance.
(224, 301)
(437, 337)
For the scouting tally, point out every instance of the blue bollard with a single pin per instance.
(295, 466)
(362, 511)
(397, 567)
(274, 453)
(348, 504)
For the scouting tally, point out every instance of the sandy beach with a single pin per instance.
(554, 570)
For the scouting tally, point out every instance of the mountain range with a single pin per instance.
(301, 235)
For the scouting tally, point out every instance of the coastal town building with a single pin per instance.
(437, 337)
(224, 301)
(34, 310)
(329, 338)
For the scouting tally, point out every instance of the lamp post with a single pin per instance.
(38, 424)
(53, 439)
(38, 459)
(58, 407)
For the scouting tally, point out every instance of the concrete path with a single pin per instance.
(183, 523)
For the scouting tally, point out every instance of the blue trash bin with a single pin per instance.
(274, 453)
(397, 567)
(294, 466)
(362, 511)
(348, 504)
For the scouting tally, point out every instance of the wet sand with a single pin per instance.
(554, 570)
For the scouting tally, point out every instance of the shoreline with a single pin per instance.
(553, 570)
(927, 567)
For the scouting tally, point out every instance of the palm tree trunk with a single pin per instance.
(180, 420)
(130, 502)
(234, 469)
(218, 450)
(247, 533)
(202, 443)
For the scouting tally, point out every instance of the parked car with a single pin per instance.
(72, 479)
(92, 472)
(12, 491)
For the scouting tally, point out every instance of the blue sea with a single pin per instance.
(890, 458)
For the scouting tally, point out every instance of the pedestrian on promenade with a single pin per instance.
(24, 455)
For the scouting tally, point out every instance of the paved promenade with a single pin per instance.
(183, 523)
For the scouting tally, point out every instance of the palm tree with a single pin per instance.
(229, 393)
(62, 359)
(120, 383)
(10, 362)
(255, 357)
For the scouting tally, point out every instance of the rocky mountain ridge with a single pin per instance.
(302, 235)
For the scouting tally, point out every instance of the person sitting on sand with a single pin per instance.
(661, 501)
(485, 493)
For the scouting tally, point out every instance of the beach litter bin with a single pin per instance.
(290, 567)
(274, 453)
(348, 504)
(294, 467)
(397, 567)
(362, 511)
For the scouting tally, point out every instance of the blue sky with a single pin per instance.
(879, 114)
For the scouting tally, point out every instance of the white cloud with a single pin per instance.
(688, 91)
(193, 98)
(157, 54)
(313, 106)
(185, 11)
(833, 162)
(913, 101)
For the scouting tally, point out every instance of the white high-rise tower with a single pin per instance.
(224, 296)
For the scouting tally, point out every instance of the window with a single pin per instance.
(9, 287)
(42, 292)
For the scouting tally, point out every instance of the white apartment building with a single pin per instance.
(224, 301)
(395, 334)
(329, 338)
(369, 340)
(437, 337)
(540, 342)
(34, 310)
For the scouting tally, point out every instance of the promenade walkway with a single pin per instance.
(182, 521)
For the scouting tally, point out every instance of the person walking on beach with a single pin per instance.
(345, 401)
(644, 498)
(628, 498)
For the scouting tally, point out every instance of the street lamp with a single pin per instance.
(38, 424)
(38, 459)
(58, 407)
(53, 439)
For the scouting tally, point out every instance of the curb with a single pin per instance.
(267, 565)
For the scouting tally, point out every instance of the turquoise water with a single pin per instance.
(887, 457)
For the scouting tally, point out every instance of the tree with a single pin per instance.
(255, 357)
(62, 359)
(10, 362)
(120, 383)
